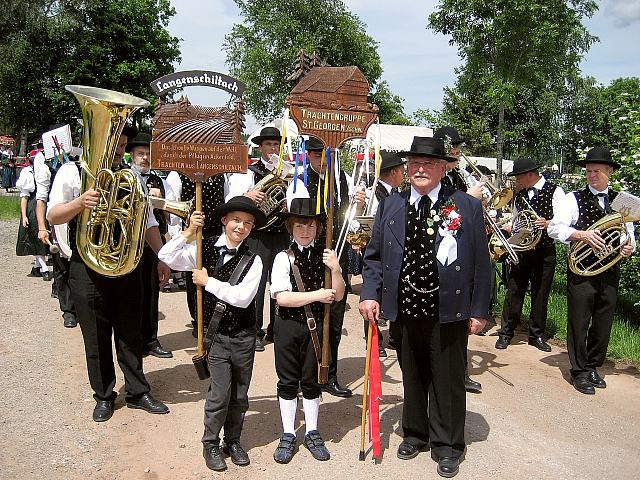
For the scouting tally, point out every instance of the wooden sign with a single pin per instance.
(199, 141)
(330, 103)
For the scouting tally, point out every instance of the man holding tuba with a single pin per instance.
(536, 265)
(269, 241)
(591, 300)
(106, 306)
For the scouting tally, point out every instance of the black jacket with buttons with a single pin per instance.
(465, 284)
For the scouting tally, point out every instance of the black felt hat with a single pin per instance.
(523, 165)
(314, 145)
(450, 133)
(301, 207)
(598, 155)
(390, 160)
(427, 147)
(242, 204)
(142, 139)
(267, 133)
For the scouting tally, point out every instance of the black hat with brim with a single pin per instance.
(314, 145)
(450, 133)
(390, 160)
(301, 207)
(267, 133)
(142, 139)
(523, 165)
(598, 155)
(241, 204)
(428, 147)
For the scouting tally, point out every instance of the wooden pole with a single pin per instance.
(199, 293)
(365, 393)
(323, 372)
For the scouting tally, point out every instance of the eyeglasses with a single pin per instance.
(424, 164)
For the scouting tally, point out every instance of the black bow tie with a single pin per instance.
(605, 198)
(394, 190)
(222, 251)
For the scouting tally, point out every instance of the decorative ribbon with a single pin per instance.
(448, 249)
(295, 166)
(375, 394)
(304, 160)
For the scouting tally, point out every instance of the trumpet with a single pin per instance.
(497, 198)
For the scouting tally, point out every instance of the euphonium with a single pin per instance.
(110, 237)
(584, 260)
(274, 187)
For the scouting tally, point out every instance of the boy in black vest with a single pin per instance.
(296, 336)
(231, 356)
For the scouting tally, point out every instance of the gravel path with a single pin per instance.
(528, 422)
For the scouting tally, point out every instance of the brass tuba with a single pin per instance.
(274, 186)
(110, 237)
(584, 260)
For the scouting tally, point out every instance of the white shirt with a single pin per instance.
(281, 272)
(556, 200)
(66, 187)
(181, 256)
(26, 182)
(43, 177)
(566, 216)
(414, 198)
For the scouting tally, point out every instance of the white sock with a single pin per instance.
(288, 414)
(42, 263)
(311, 407)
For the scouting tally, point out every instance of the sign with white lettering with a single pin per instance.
(197, 78)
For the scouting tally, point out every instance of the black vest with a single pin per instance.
(212, 197)
(542, 203)
(234, 318)
(312, 272)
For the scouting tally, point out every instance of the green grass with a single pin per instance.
(9, 208)
(624, 343)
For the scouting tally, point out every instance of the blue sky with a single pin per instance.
(417, 63)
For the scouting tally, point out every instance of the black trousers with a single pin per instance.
(148, 267)
(537, 267)
(61, 275)
(432, 360)
(591, 302)
(231, 365)
(296, 362)
(105, 307)
(267, 245)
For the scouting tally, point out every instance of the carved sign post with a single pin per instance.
(330, 103)
(198, 142)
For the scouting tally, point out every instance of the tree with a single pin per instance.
(509, 47)
(262, 49)
(120, 45)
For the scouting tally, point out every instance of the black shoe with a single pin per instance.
(540, 344)
(334, 388)
(472, 386)
(583, 385)
(70, 320)
(35, 272)
(382, 353)
(237, 453)
(502, 342)
(382, 322)
(167, 288)
(448, 466)
(54, 293)
(159, 352)
(285, 449)
(46, 276)
(213, 458)
(596, 380)
(407, 451)
(391, 345)
(268, 338)
(259, 345)
(103, 410)
(149, 404)
(313, 441)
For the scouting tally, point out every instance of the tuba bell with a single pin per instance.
(110, 237)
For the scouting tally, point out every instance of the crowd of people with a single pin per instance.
(426, 272)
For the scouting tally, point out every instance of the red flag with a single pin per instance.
(375, 395)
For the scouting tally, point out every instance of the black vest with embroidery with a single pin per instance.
(339, 211)
(312, 273)
(419, 279)
(234, 318)
(542, 203)
(589, 210)
(212, 197)
(259, 172)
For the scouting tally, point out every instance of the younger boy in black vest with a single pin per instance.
(233, 350)
(295, 354)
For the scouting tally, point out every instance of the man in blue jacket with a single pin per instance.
(427, 267)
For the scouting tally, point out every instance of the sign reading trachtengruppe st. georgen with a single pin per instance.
(192, 159)
(333, 127)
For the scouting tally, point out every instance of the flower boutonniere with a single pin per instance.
(448, 215)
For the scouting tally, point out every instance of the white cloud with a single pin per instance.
(622, 12)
